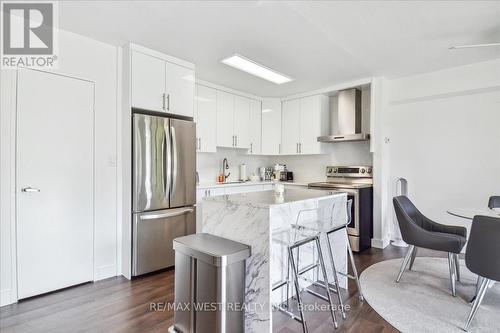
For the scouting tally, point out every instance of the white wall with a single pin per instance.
(444, 132)
(86, 58)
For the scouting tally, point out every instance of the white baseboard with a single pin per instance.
(6, 297)
(380, 243)
(104, 272)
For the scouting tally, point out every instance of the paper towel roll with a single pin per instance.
(243, 172)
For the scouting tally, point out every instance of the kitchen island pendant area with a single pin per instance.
(252, 218)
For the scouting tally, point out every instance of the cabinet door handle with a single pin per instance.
(251, 148)
(168, 102)
(163, 101)
(279, 148)
(300, 147)
(29, 189)
(236, 141)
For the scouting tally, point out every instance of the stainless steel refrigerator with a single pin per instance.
(163, 187)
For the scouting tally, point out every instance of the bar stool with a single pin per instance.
(294, 238)
(321, 227)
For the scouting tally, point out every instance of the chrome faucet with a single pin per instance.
(225, 166)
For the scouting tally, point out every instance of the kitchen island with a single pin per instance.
(251, 218)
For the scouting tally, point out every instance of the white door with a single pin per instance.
(255, 127)
(225, 111)
(54, 191)
(148, 82)
(179, 90)
(241, 122)
(206, 119)
(290, 130)
(312, 121)
(271, 126)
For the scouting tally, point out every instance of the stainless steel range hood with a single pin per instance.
(348, 118)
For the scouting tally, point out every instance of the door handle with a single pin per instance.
(172, 213)
(175, 160)
(251, 148)
(29, 189)
(163, 101)
(168, 102)
(300, 147)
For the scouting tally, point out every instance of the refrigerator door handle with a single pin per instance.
(171, 213)
(168, 154)
(175, 163)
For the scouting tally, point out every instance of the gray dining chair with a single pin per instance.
(494, 202)
(419, 231)
(483, 242)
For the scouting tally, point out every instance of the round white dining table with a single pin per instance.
(468, 213)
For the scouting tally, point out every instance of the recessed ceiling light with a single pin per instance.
(251, 67)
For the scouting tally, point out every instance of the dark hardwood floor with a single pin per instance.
(120, 305)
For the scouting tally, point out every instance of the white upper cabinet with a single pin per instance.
(290, 127)
(271, 126)
(314, 122)
(241, 128)
(148, 82)
(234, 127)
(159, 83)
(255, 125)
(225, 116)
(179, 90)
(206, 119)
(303, 121)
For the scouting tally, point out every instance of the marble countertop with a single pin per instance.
(266, 199)
(204, 185)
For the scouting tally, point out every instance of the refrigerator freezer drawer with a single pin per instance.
(153, 234)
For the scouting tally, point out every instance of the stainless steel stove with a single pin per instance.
(357, 182)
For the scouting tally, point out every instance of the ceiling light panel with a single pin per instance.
(244, 64)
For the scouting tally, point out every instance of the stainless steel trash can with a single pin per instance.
(209, 284)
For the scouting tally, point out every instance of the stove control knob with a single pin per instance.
(369, 170)
(329, 170)
(363, 170)
(335, 170)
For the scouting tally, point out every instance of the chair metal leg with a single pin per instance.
(335, 277)
(353, 266)
(478, 285)
(405, 262)
(295, 275)
(412, 260)
(479, 298)
(457, 265)
(288, 284)
(325, 279)
(451, 264)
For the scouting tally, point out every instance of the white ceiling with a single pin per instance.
(318, 43)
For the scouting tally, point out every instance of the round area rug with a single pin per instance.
(422, 300)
